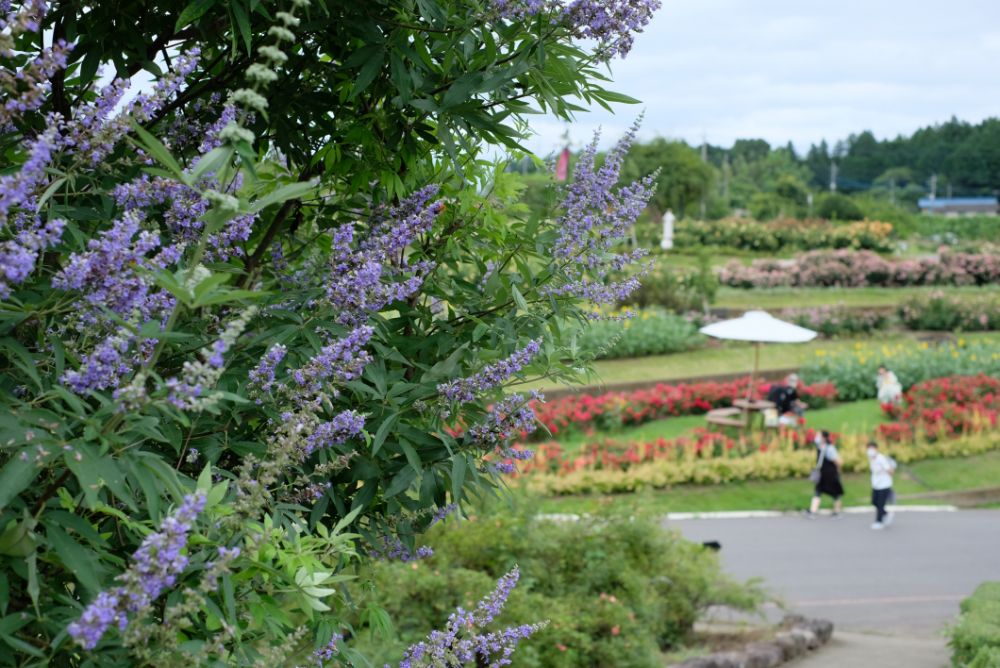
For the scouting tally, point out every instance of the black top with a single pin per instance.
(783, 397)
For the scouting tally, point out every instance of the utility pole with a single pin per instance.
(704, 158)
(726, 169)
(833, 176)
(892, 191)
(933, 187)
(949, 191)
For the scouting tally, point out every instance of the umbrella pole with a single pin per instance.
(756, 366)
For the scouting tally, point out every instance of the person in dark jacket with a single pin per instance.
(785, 398)
(828, 467)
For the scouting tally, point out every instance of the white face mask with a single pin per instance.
(872, 452)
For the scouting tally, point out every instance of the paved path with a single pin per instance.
(847, 649)
(905, 582)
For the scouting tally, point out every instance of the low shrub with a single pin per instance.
(776, 463)
(853, 372)
(975, 639)
(836, 206)
(786, 234)
(616, 591)
(651, 331)
(678, 291)
(946, 313)
(838, 320)
(848, 268)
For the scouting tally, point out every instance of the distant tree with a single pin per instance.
(684, 176)
(750, 150)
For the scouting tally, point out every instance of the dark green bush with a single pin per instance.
(835, 206)
(650, 332)
(975, 640)
(616, 591)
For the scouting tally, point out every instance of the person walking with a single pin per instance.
(826, 476)
(882, 468)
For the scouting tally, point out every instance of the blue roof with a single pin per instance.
(927, 203)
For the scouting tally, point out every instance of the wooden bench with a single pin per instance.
(727, 417)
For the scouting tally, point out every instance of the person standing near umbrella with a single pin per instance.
(826, 475)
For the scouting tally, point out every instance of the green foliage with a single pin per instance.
(616, 590)
(854, 371)
(944, 230)
(975, 639)
(369, 104)
(675, 290)
(651, 331)
(835, 206)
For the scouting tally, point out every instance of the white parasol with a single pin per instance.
(758, 327)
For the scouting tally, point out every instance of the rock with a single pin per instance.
(808, 637)
(764, 655)
(823, 629)
(792, 645)
(697, 662)
(730, 659)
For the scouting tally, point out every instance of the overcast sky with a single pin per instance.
(801, 70)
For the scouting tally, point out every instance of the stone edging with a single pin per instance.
(799, 635)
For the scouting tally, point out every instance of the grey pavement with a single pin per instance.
(849, 650)
(904, 582)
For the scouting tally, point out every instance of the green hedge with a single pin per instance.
(616, 591)
(975, 640)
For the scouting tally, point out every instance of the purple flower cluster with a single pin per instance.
(355, 285)
(338, 361)
(461, 642)
(464, 390)
(18, 255)
(156, 565)
(26, 89)
(613, 24)
(343, 426)
(262, 376)
(511, 417)
(329, 651)
(393, 549)
(596, 218)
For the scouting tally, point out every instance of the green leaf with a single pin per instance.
(242, 22)
(192, 13)
(22, 359)
(93, 471)
(17, 539)
(16, 475)
(518, 298)
(212, 161)
(458, 469)
(296, 190)
(401, 482)
(383, 432)
(159, 152)
(368, 71)
(80, 561)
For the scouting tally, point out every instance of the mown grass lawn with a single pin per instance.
(727, 358)
(855, 417)
(936, 475)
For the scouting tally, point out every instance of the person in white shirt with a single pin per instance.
(882, 468)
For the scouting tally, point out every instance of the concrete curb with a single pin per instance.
(753, 514)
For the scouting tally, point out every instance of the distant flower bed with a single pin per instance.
(853, 371)
(946, 313)
(846, 268)
(944, 408)
(650, 331)
(838, 320)
(776, 461)
(613, 410)
(783, 234)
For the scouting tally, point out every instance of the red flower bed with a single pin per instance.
(945, 407)
(619, 456)
(616, 409)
